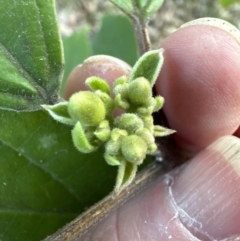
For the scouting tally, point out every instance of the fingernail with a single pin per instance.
(108, 60)
(103, 66)
(206, 193)
(216, 22)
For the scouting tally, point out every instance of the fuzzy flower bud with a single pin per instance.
(86, 107)
(129, 122)
(139, 91)
(134, 149)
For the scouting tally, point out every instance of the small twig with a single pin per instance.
(89, 15)
(142, 35)
(83, 223)
(141, 31)
(170, 156)
(140, 28)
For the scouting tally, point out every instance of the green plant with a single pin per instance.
(44, 180)
(227, 3)
(128, 138)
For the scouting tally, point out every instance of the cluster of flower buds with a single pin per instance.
(129, 137)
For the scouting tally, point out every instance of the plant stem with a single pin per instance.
(142, 36)
(141, 31)
(170, 156)
(140, 27)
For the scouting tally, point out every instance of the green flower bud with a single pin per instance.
(145, 111)
(120, 82)
(107, 101)
(139, 91)
(86, 107)
(120, 90)
(103, 131)
(118, 134)
(148, 122)
(129, 122)
(146, 135)
(134, 149)
(153, 148)
(121, 103)
(113, 146)
(159, 101)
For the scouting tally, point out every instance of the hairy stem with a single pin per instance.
(141, 31)
(83, 223)
(140, 27)
(142, 35)
(170, 157)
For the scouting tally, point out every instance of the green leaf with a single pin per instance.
(125, 5)
(96, 83)
(77, 48)
(148, 66)
(159, 101)
(30, 54)
(116, 38)
(148, 7)
(162, 131)
(111, 160)
(44, 181)
(126, 173)
(81, 141)
(227, 3)
(59, 112)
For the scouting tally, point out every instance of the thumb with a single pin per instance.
(199, 201)
(200, 82)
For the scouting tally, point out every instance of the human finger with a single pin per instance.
(103, 66)
(200, 82)
(198, 201)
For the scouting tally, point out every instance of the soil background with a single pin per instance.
(74, 14)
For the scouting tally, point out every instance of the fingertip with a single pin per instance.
(103, 66)
(207, 192)
(197, 201)
(200, 83)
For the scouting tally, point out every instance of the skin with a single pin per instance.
(201, 199)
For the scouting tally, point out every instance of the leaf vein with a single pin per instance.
(42, 35)
(53, 177)
(17, 64)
